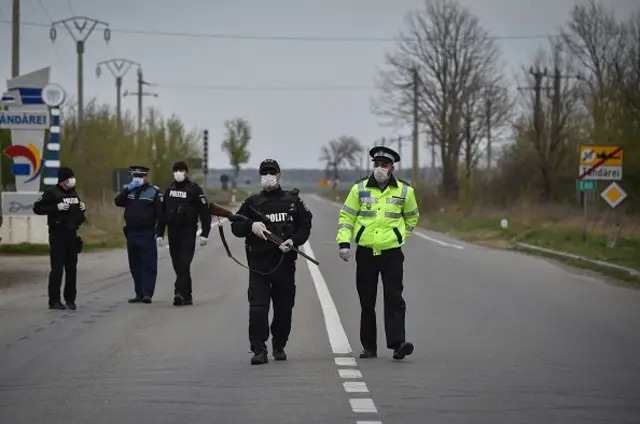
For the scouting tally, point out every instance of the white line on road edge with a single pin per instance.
(340, 343)
(424, 236)
(436, 241)
(335, 330)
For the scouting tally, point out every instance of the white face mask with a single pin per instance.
(380, 174)
(139, 180)
(269, 181)
(179, 176)
(71, 182)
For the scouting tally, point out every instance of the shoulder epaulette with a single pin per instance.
(403, 182)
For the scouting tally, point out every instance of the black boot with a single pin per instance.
(279, 354)
(405, 349)
(146, 299)
(259, 357)
(136, 299)
(368, 353)
(58, 306)
(72, 306)
(178, 300)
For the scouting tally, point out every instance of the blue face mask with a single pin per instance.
(138, 180)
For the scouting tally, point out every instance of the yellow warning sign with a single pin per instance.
(613, 195)
(600, 155)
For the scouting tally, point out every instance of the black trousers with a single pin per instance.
(278, 287)
(182, 247)
(390, 265)
(63, 254)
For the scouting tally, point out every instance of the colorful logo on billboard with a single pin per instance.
(33, 168)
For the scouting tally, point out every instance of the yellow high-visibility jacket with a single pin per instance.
(378, 219)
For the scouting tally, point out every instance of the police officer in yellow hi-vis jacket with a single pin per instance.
(380, 213)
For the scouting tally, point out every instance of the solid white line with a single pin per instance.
(368, 422)
(355, 387)
(350, 373)
(335, 330)
(346, 362)
(434, 240)
(363, 405)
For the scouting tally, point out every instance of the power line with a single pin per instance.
(274, 37)
(344, 88)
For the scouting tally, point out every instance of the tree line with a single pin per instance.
(582, 88)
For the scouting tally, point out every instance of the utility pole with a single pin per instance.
(140, 94)
(15, 40)
(80, 28)
(489, 114)
(205, 157)
(119, 69)
(415, 168)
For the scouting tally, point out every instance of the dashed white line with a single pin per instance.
(349, 373)
(355, 387)
(340, 345)
(346, 361)
(363, 405)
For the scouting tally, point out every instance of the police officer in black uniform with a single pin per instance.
(142, 203)
(273, 267)
(184, 203)
(65, 213)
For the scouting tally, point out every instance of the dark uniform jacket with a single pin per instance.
(143, 207)
(283, 213)
(184, 203)
(71, 219)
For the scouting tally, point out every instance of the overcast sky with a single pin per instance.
(290, 126)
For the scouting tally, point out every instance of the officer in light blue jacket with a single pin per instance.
(142, 203)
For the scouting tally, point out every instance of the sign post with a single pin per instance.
(28, 99)
(598, 163)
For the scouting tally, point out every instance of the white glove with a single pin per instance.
(260, 230)
(344, 254)
(203, 241)
(63, 206)
(160, 241)
(286, 246)
(82, 206)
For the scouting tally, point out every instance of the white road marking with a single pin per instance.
(349, 361)
(363, 405)
(349, 373)
(355, 387)
(339, 342)
(335, 330)
(419, 234)
(436, 241)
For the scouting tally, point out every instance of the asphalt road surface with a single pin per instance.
(500, 338)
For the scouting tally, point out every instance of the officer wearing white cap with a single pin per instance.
(379, 214)
(142, 203)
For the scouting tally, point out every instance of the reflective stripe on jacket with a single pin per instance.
(378, 219)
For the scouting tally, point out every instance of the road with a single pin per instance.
(500, 338)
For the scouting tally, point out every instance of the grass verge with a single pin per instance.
(556, 234)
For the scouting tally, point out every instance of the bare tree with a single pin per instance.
(553, 120)
(236, 145)
(454, 55)
(594, 38)
(345, 149)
